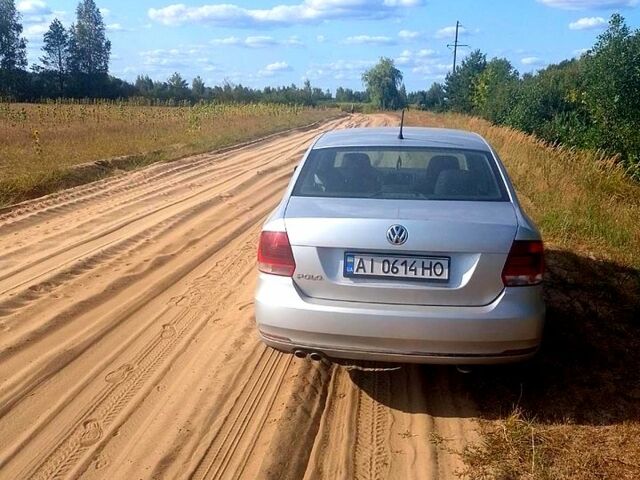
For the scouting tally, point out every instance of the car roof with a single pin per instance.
(413, 137)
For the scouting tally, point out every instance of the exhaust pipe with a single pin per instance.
(315, 356)
(464, 369)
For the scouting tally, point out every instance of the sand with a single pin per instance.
(128, 347)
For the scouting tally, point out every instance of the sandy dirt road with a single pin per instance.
(128, 347)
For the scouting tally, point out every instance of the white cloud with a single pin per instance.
(260, 41)
(321, 39)
(115, 27)
(369, 40)
(36, 12)
(588, 4)
(408, 35)
(166, 61)
(339, 70)
(294, 41)
(105, 12)
(309, 11)
(531, 61)
(425, 62)
(162, 56)
(161, 63)
(436, 71)
(274, 68)
(425, 52)
(450, 32)
(227, 41)
(257, 41)
(277, 67)
(33, 7)
(588, 23)
(36, 18)
(36, 31)
(579, 52)
(405, 58)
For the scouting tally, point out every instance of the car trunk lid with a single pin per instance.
(475, 236)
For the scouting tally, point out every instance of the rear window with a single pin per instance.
(409, 173)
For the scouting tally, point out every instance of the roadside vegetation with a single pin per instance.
(574, 412)
(44, 144)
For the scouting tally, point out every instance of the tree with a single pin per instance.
(383, 81)
(459, 85)
(13, 52)
(402, 93)
(176, 81)
(307, 92)
(178, 87)
(347, 95)
(493, 90)
(549, 104)
(89, 49)
(144, 84)
(197, 87)
(13, 47)
(56, 50)
(434, 98)
(612, 89)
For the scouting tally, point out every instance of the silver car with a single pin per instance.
(402, 248)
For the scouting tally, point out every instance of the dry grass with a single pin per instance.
(574, 412)
(42, 142)
(579, 199)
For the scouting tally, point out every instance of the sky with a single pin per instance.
(330, 42)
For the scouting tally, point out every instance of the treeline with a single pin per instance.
(75, 64)
(590, 102)
(177, 89)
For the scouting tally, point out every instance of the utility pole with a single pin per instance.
(455, 46)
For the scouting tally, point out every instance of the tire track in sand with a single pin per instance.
(129, 351)
(295, 144)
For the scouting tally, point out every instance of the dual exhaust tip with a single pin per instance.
(315, 356)
(321, 357)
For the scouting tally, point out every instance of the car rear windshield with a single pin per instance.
(408, 173)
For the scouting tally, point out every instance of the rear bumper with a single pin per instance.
(507, 330)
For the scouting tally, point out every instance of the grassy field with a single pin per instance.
(43, 143)
(575, 411)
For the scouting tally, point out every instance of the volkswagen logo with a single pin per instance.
(397, 235)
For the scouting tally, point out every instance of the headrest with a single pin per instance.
(454, 183)
(356, 161)
(443, 162)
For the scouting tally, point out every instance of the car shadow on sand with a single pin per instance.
(587, 371)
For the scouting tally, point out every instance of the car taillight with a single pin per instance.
(275, 255)
(525, 264)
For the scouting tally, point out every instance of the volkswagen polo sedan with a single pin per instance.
(409, 248)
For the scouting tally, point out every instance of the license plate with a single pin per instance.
(395, 266)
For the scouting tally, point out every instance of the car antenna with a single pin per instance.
(400, 136)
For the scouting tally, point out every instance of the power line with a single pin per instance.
(455, 46)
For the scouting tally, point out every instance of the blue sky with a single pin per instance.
(330, 42)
